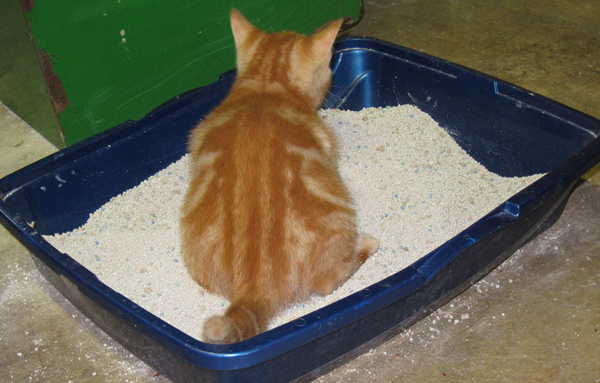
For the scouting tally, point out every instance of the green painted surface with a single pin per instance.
(119, 59)
(22, 87)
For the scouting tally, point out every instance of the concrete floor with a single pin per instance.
(535, 318)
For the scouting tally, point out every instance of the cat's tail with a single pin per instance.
(241, 321)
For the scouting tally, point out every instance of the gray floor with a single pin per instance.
(536, 318)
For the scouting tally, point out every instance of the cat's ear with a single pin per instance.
(324, 37)
(241, 28)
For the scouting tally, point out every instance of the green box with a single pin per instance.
(106, 62)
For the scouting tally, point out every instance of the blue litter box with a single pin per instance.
(511, 131)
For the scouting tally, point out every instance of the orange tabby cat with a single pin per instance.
(267, 220)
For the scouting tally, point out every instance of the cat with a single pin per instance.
(267, 220)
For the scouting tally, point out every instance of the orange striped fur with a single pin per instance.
(267, 220)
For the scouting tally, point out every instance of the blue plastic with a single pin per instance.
(509, 130)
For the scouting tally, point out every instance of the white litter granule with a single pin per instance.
(414, 189)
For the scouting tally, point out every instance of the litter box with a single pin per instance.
(511, 131)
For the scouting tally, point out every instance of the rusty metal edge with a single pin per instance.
(58, 95)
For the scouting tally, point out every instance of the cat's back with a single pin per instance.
(262, 123)
(262, 177)
(261, 146)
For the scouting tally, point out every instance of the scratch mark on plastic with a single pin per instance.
(521, 104)
(398, 59)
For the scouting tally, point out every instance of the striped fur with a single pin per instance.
(267, 220)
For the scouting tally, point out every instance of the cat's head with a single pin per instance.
(285, 60)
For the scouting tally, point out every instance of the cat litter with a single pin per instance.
(414, 188)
